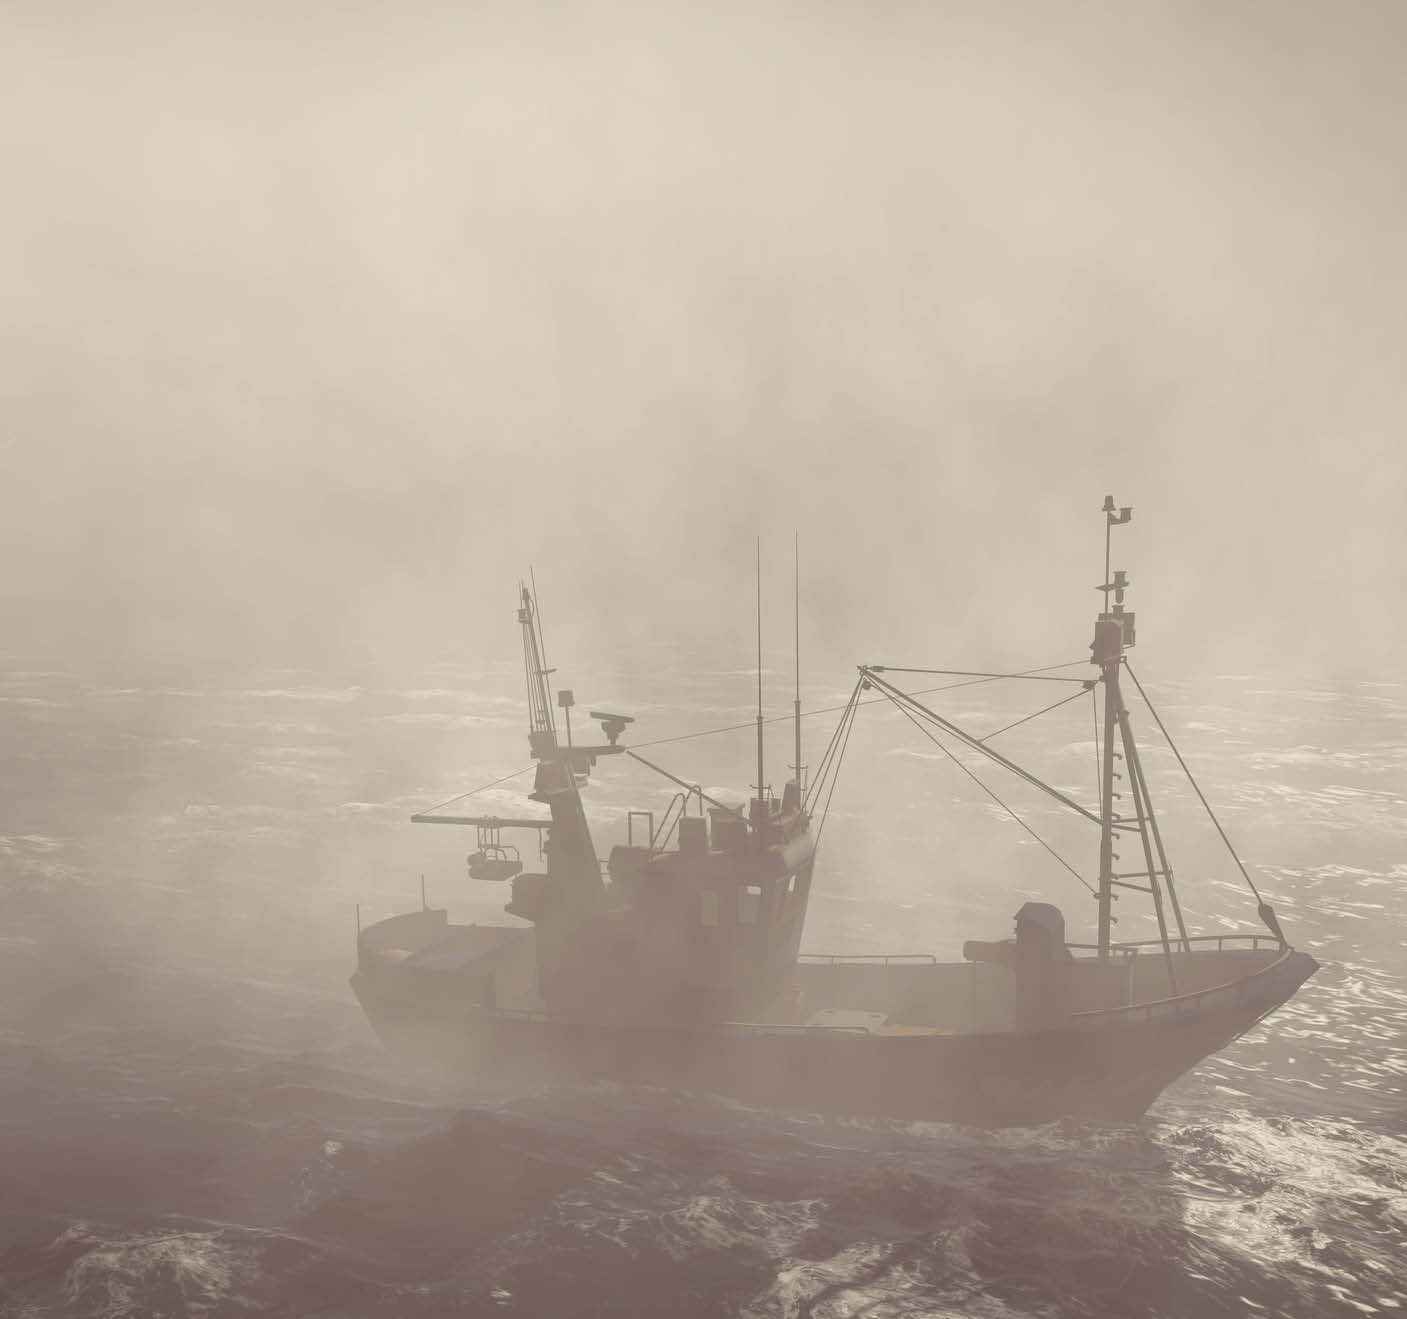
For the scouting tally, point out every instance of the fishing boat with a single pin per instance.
(677, 961)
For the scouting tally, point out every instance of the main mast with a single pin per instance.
(1113, 634)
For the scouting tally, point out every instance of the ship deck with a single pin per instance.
(893, 995)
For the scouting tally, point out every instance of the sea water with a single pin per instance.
(196, 1120)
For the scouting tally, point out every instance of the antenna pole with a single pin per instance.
(796, 601)
(760, 789)
(1108, 534)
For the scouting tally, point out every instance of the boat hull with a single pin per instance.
(1104, 1065)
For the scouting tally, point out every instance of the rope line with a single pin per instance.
(516, 774)
(898, 695)
(779, 719)
(1064, 700)
(947, 752)
(835, 776)
(1031, 675)
(1211, 814)
(813, 793)
(822, 769)
(751, 724)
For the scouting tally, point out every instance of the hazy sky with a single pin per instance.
(320, 322)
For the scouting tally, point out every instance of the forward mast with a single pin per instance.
(1114, 633)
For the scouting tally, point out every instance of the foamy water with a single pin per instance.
(196, 1121)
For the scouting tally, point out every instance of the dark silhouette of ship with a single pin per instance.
(677, 963)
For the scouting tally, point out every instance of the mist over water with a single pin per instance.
(321, 326)
(198, 1120)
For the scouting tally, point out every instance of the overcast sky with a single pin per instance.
(321, 322)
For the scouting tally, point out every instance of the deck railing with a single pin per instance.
(1256, 941)
(1184, 1004)
(1251, 943)
(1130, 948)
(866, 959)
(538, 1017)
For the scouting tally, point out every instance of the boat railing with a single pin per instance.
(673, 813)
(792, 1028)
(1254, 941)
(1116, 950)
(539, 1017)
(866, 959)
(1183, 1004)
(1250, 942)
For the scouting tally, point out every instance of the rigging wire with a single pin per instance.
(688, 787)
(1098, 776)
(1064, 700)
(818, 780)
(823, 768)
(518, 773)
(849, 722)
(537, 615)
(1211, 814)
(1032, 675)
(840, 740)
(834, 709)
(806, 714)
(813, 793)
(898, 695)
(484, 787)
(951, 756)
(835, 778)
